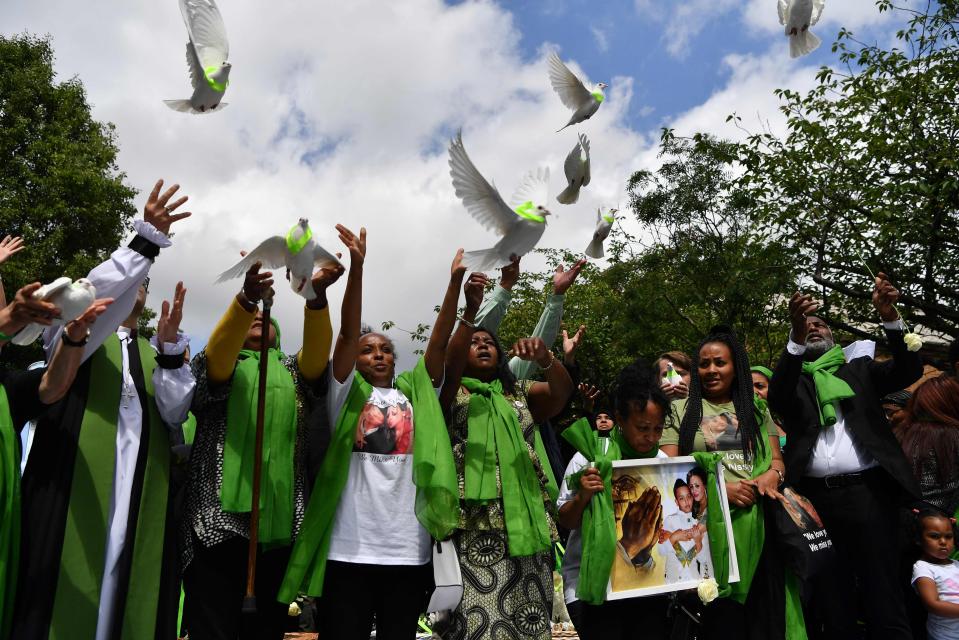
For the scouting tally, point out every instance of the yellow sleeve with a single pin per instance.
(226, 341)
(317, 341)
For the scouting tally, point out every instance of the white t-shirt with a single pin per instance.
(946, 577)
(375, 520)
(574, 544)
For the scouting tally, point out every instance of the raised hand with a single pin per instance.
(9, 246)
(158, 210)
(510, 274)
(356, 244)
(642, 523)
(458, 269)
(800, 305)
(473, 290)
(323, 279)
(78, 328)
(884, 298)
(563, 279)
(589, 393)
(256, 284)
(171, 314)
(570, 344)
(533, 350)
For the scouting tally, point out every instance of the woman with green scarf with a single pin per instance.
(387, 483)
(723, 415)
(507, 526)
(586, 508)
(216, 523)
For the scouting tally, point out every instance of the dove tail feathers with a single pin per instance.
(803, 43)
(183, 106)
(484, 260)
(28, 335)
(569, 195)
(595, 249)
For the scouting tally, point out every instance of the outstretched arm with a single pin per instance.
(493, 309)
(8, 246)
(228, 336)
(457, 352)
(904, 367)
(347, 343)
(546, 399)
(785, 380)
(435, 357)
(317, 329)
(67, 358)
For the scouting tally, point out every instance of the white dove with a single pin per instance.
(206, 54)
(798, 16)
(576, 168)
(521, 224)
(71, 298)
(297, 251)
(604, 224)
(573, 92)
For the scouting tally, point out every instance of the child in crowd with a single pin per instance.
(935, 576)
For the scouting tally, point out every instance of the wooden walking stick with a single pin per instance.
(249, 600)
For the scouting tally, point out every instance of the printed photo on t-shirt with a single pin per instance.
(385, 427)
(721, 432)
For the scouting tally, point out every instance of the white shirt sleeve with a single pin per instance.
(336, 396)
(566, 494)
(119, 277)
(173, 388)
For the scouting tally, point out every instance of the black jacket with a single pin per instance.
(792, 395)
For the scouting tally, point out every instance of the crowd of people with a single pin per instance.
(133, 513)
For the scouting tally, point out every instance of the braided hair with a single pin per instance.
(742, 396)
(636, 385)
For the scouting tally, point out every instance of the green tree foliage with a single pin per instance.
(868, 167)
(60, 187)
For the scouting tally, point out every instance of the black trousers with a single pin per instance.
(863, 523)
(355, 594)
(215, 583)
(629, 619)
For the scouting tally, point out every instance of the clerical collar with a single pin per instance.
(126, 332)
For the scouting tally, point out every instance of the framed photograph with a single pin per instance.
(662, 543)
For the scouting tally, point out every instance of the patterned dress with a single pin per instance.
(203, 514)
(504, 598)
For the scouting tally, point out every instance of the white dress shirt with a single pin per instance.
(837, 451)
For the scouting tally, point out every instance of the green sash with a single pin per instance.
(495, 440)
(598, 528)
(830, 389)
(279, 441)
(9, 514)
(77, 597)
(434, 474)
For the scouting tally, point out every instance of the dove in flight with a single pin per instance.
(797, 16)
(206, 53)
(521, 223)
(573, 92)
(297, 251)
(604, 224)
(71, 298)
(576, 168)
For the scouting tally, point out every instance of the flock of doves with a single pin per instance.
(520, 224)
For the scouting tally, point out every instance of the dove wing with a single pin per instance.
(817, 7)
(534, 188)
(480, 198)
(584, 141)
(193, 63)
(783, 7)
(271, 253)
(323, 258)
(47, 291)
(207, 31)
(572, 167)
(565, 83)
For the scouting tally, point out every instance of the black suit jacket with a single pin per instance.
(792, 395)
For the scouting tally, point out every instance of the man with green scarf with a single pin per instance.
(216, 525)
(842, 455)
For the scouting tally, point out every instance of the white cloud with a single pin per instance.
(684, 20)
(601, 39)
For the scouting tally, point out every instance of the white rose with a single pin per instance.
(708, 590)
(913, 341)
(294, 610)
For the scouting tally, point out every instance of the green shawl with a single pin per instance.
(495, 441)
(279, 441)
(9, 514)
(830, 389)
(76, 601)
(598, 528)
(434, 474)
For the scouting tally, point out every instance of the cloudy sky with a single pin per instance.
(341, 112)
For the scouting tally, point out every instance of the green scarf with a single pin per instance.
(279, 440)
(829, 388)
(9, 514)
(495, 440)
(598, 528)
(434, 474)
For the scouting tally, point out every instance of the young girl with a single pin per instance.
(936, 577)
